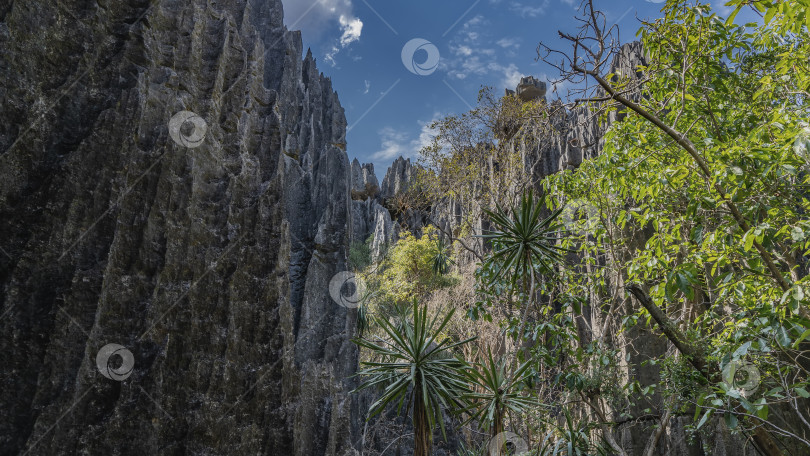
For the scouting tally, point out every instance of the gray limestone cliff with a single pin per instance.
(377, 216)
(397, 177)
(203, 245)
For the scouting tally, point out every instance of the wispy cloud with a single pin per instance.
(511, 76)
(325, 17)
(508, 43)
(395, 143)
(352, 29)
(472, 57)
(525, 10)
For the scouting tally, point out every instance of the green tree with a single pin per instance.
(496, 391)
(708, 196)
(524, 247)
(416, 363)
(414, 267)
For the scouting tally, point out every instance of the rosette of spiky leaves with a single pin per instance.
(495, 392)
(572, 440)
(414, 364)
(524, 239)
(442, 259)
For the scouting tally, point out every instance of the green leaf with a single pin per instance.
(733, 15)
(742, 350)
(801, 338)
(731, 420)
(770, 14)
(748, 241)
(762, 412)
(704, 418)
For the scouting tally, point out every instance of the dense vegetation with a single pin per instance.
(690, 225)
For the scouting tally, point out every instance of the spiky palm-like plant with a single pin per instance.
(573, 439)
(525, 244)
(495, 393)
(442, 258)
(414, 364)
(523, 240)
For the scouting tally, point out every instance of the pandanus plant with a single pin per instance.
(442, 257)
(495, 392)
(414, 365)
(525, 245)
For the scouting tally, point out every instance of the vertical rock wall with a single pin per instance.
(210, 264)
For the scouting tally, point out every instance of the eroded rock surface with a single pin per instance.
(397, 178)
(211, 265)
(364, 182)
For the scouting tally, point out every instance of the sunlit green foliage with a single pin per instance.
(409, 270)
(656, 214)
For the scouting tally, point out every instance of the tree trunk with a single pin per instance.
(423, 434)
(762, 438)
(497, 428)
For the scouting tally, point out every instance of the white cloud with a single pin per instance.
(470, 56)
(462, 50)
(511, 76)
(508, 43)
(525, 10)
(427, 134)
(352, 29)
(324, 17)
(477, 20)
(395, 143)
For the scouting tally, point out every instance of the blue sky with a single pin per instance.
(359, 45)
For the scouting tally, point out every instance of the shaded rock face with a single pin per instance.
(209, 261)
(371, 219)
